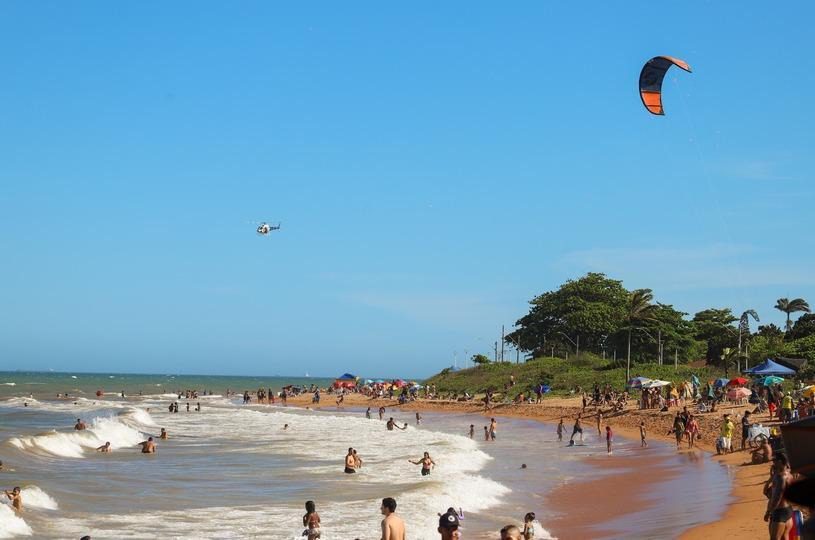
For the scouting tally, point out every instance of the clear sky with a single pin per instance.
(434, 164)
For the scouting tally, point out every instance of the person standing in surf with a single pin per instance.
(311, 521)
(472, 430)
(350, 463)
(426, 462)
(560, 430)
(493, 428)
(609, 439)
(393, 528)
(575, 430)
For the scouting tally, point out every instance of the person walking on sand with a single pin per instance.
(393, 528)
(643, 433)
(426, 462)
(779, 512)
(350, 462)
(560, 430)
(311, 521)
(609, 439)
(727, 434)
(15, 498)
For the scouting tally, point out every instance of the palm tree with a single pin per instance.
(744, 328)
(640, 309)
(791, 306)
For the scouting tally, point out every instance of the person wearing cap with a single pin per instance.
(727, 434)
(448, 525)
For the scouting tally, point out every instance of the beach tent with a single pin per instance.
(770, 380)
(346, 380)
(637, 382)
(721, 383)
(738, 381)
(768, 367)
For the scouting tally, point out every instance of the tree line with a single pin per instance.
(597, 314)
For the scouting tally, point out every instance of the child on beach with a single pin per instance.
(486, 433)
(529, 526)
(643, 442)
(311, 521)
(560, 430)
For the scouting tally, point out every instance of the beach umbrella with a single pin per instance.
(655, 384)
(770, 380)
(721, 383)
(738, 393)
(738, 381)
(637, 382)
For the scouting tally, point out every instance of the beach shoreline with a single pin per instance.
(742, 516)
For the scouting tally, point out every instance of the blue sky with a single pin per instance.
(434, 167)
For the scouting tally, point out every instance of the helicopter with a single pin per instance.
(264, 228)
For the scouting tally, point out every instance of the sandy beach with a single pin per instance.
(741, 520)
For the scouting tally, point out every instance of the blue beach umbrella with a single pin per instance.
(770, 380)
(720, 383)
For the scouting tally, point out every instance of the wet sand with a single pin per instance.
(613, 496)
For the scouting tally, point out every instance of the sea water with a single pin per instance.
(232, 471)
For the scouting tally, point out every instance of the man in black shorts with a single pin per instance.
(577, 429)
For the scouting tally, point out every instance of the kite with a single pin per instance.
(651, 81)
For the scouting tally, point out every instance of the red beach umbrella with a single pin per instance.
(738, 381)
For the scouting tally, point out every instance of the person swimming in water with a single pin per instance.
(148, 446)
(426, 462)
(163, 434)
(105, 448)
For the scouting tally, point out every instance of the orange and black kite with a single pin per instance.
(651, 81)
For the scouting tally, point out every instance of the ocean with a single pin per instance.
(232, 471)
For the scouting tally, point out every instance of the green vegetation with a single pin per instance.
(562, 375)
(596, 314)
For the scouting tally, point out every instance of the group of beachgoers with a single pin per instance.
(393, 527)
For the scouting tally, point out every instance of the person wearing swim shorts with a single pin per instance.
(350, 463)
(311, 521)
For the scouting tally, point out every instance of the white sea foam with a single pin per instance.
(10, 384)
(34, 497)
(11, 524)
(76, 444)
